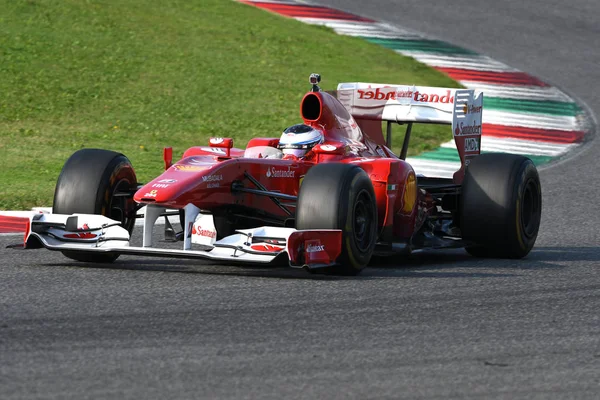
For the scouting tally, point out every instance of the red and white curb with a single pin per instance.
(523, 115)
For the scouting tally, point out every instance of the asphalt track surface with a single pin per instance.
(438, 325)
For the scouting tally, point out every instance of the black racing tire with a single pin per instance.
(87, 184)
(341, 196)
(501, 206)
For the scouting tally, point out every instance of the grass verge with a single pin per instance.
(134, 76)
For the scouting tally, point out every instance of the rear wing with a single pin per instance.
(371, 103)
(399, 103)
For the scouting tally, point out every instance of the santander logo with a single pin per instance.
(389, 94)
(203, 232)
(464, 129)
(274, 172)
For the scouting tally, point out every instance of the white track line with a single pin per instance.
(463, 61)
(518, 91)
(528, 120)
(367, 29)
(442, 169)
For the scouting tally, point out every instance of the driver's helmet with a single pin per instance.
(298, 139)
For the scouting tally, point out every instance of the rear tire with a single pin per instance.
(501, 205)
(87, 184)
(341, 196)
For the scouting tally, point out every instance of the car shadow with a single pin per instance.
(540, 258)
(426, 264)
(205, 268)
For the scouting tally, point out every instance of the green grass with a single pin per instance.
(136, 75)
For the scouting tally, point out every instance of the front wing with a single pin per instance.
(96, 234)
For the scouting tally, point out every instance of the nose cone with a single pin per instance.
(160, 190)
(192, 174)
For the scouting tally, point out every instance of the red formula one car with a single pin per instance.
(328, 194)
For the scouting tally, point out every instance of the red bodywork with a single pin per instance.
(205, 176)
(14, 224)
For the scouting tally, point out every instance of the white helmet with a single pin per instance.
(299, 139)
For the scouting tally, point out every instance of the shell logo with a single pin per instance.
(188, 168)
(410, 193)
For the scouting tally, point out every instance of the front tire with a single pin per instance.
(501, 205)
(341, 196)
(88, 183)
